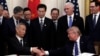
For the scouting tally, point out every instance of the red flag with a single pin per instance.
(32, 4)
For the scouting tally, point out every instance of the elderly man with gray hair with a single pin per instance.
(67, 21)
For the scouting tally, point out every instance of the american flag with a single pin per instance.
(76, 6)
(4, 4)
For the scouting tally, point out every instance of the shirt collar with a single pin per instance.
(14, 18)
(78, 39)
(71, 15)
(19, 38)
(97, 14)
(41, 18)
(55, 20)
(1, 16)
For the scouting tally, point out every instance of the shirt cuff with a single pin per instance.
(31, 49)
(46, 52)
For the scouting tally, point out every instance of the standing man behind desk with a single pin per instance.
(27, 16)
(17, 44)
(92, 23)
(66, 21)
(2, 38)
(54, 16)
(13, 21)
(42, 29)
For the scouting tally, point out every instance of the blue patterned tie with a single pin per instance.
(70, 21)
(76, 49)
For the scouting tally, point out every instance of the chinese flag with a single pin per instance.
(32, 4)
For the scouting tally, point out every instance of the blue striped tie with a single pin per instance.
(76, 49)
(70, 21)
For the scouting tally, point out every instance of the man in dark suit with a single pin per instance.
(27, 16)
(66, 21)
(54, 16)
(78, 44)
(2, 40)
(42, 29)
(92, 23)
(17, 44)
(9, 27)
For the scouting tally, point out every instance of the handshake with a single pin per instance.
(38, 52)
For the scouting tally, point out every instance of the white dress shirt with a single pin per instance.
(78, 43)
(55, 22)
(68, 17)
(19, 39)
(15, 21)
(97, 16)
(1, 19)
(42, 20)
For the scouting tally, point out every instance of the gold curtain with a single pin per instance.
(87, 10)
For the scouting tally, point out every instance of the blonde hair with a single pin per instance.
(75, 29)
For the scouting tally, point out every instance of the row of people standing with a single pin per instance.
(41, 31)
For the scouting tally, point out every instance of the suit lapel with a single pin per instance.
(81, 43)
(98, 22)
(74, 20)
(38, 24)
(66, 21)
(12, 24)
(45, 23)
(91, 21)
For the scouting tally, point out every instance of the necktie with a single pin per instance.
(94, 21)
(17, 21)
(21, 42)
(41, 24)
(0, 21)
(76, 49)
(55, 22)
(70, 21)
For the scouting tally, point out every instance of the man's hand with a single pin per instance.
(38, 51)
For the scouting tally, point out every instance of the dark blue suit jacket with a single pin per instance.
(9, 27)
(45, 38)
(14, 47)
(63, 26)
(86, 45)
(2, 38)
(90, 30)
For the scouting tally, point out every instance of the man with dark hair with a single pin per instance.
(13, 21)
(27, 16)
(54, 16)
(42, 6)
(92, 23)
(42, 29)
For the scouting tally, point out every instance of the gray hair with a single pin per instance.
(17, 26)
(75, 29)
(70, 4)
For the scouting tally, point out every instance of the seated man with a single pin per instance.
(17, 44)
(77, 45)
